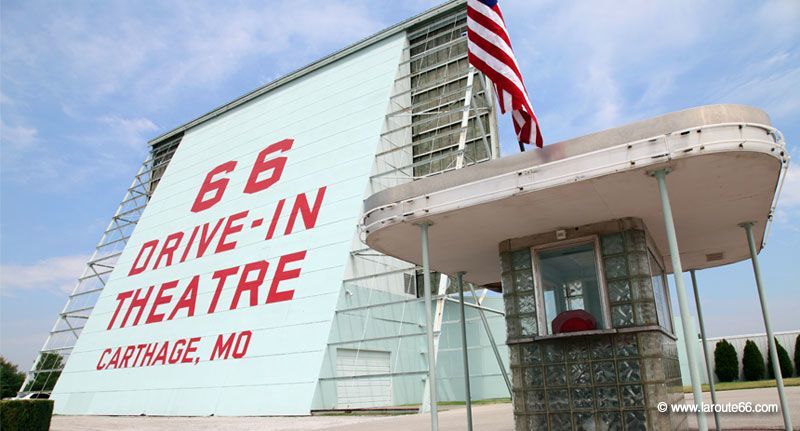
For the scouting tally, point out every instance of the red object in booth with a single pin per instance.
(574, 321)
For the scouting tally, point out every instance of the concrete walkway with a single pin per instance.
(493, 417)
(745, 421)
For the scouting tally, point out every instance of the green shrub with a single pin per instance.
(726, 362)
(797, 354)
(783, 359)
(25, 415)
(752, 362)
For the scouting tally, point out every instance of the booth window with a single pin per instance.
(661, 294)
(569, 281)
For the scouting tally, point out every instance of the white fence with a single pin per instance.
(787, 339)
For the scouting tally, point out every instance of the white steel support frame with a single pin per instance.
(426, 277)
(773, 351)
(439, 116)
(462, 138)
(494, 134)
(709, 370)
(441, 297)
(81, 301)
(464, 349)
(493, 343)
(686, 318)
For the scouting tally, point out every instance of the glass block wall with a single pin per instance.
(609, 380)
(596, 382)
(518, 294)
(627, 270)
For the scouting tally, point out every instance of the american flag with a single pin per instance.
(490, 52)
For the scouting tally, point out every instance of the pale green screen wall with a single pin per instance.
(335, 116)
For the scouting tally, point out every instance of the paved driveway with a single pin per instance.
(493, 417)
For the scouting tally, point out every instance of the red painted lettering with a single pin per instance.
(261, 165)
(189, 244)
(114, 358)
(230, 228)
(301, 207)
(220, 275)
(210, 185)
(282, 275)
(250, 286)
(187, 300)
(177, 351)
(241, 346)
(190, 348)
(138, 268)
(168, 248)
(100, 364)
(120, 300)
(123, 363)
(275, 216)
(161, 299)
(147, 359)
(222, 348)
(206, 237)
(139, 303)
(162, 354)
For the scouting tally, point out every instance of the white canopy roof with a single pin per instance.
(726, 164)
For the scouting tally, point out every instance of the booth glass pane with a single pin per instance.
(570, 282)
(661, 295)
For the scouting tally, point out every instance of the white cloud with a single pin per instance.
(17, 138)
(130, 131)
(607, 54)
(790, 197)
(97, 154)
(150, 59)
(58, 274)
(5, 100)
(143, 67)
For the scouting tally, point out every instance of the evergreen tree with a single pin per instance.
(752, 362)
(726, 362)
(783, 359)
(11, 378)
(797, 354)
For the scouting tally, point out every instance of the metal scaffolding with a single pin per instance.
(53, 356)
(440, 118)
(440, 115)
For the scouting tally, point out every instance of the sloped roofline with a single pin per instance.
(309, 68)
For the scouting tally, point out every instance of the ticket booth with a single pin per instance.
(590, 329)
(580, 236)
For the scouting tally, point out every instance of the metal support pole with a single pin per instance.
(467, 393)
(709, 370)
(686, 319)
(773, 351)
(494, 345)
(426, 278)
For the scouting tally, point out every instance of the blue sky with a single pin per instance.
(85, 84)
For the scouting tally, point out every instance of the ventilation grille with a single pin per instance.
(715, 256)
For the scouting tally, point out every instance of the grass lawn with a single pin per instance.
(730, 386)
(476, 402)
